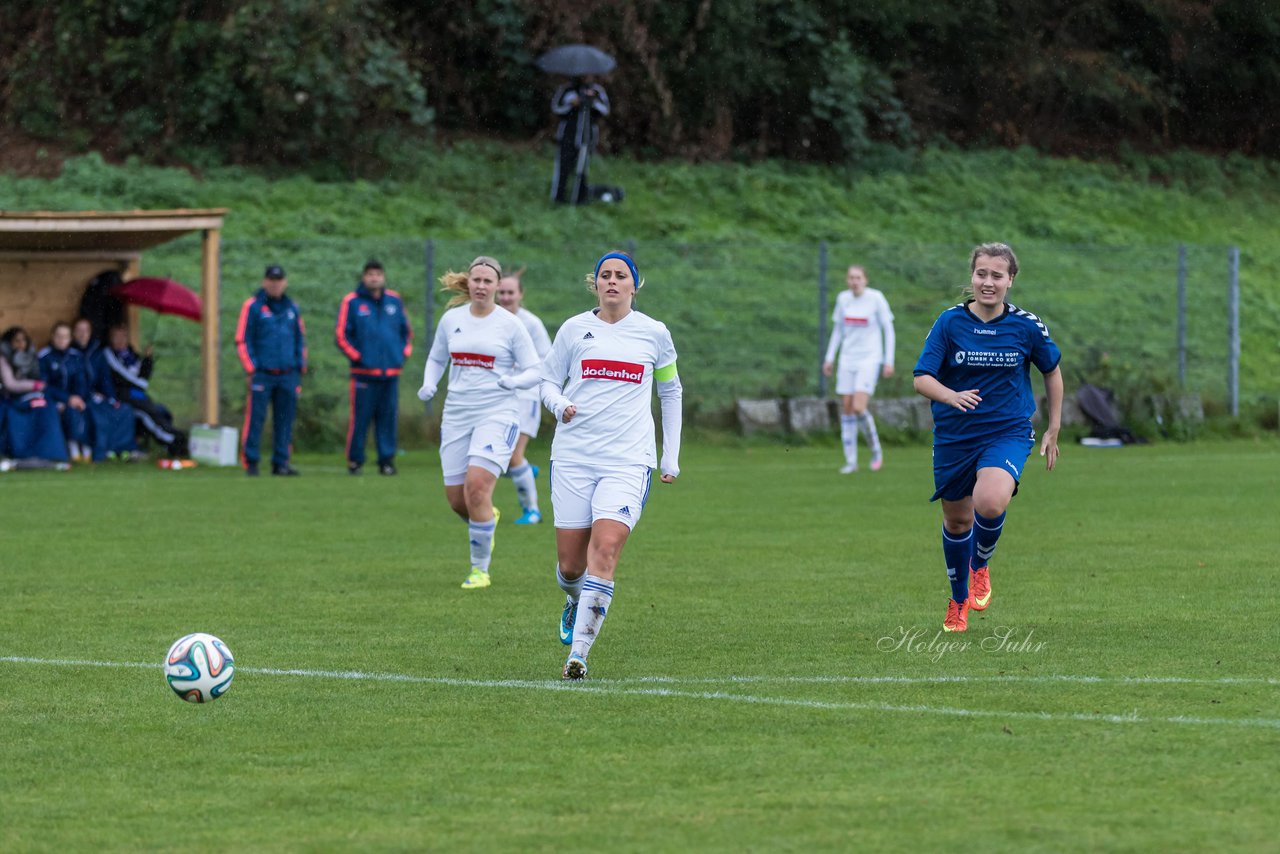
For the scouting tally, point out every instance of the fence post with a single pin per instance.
(1233, 329)
(429, 301)
(822, 316)
(1182, 315)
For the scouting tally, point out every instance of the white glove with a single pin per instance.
(426, 393)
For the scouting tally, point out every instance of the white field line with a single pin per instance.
(618, 687)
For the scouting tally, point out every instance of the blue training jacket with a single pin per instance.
(271, 336)
(374, 334)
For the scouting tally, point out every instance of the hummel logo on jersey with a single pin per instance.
(625, 511)
(588, 336)
(608, 369)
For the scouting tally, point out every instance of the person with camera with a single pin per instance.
(576, 103)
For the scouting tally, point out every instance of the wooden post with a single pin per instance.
(209, 281)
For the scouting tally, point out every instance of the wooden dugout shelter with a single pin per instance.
(48, 257)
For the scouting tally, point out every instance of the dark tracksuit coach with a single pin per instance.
(375, 335)
(271, 341)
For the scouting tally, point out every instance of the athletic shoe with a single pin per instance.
(877, 459)
(477, 578)
(979, 588)
(354, 468)
(957, 616)
(575, 669)
(530, 517)
(567, 618)
(251, 469)
(386, 468)
(535, 471)
(285, 470)
(848, 468)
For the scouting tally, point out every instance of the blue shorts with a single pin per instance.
(955, 467)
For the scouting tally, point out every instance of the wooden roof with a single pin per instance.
(108, 232)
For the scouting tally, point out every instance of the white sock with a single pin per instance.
(597, 596)
(481, 542)
(574, 587)
(868, 425)
(849, 436)
(526, 488)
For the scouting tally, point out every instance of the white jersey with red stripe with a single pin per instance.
(480, 350)
(606, 371)
(862, 329)
(541, 342)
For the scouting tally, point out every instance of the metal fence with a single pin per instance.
(749, 319)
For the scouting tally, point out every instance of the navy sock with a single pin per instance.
(985, 534)
(957, 549)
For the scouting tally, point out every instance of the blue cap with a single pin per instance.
(631, 265)
(275, 271)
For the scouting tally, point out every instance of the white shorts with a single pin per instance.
(487, 445)
(530, 416)
(583, 493)
(858, 377)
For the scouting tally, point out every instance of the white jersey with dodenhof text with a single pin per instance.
(480, 350)
(862, 329)
(606, 370)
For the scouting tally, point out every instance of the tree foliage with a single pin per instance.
(342, 81)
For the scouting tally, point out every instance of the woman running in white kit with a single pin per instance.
(521, 471)
(862, 330)
(597, 380)
(480, 345)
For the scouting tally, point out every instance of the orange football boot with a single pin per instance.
(980, 588)
(957, 616)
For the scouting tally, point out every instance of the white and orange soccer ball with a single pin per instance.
(199, 668)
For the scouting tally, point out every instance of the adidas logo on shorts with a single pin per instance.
(624, 511)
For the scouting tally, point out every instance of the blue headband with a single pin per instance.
(631, 265)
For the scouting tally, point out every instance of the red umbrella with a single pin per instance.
(163, 295)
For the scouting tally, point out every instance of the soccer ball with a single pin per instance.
(199, 668)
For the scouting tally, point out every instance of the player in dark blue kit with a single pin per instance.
(375, 335)
(67, 385)
(272, 342)
(976, 368)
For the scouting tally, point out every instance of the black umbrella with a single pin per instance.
(576, 60)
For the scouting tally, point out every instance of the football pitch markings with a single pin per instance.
(634, 687)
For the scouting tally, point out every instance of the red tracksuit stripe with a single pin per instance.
(242, 346)
(244, 431)
(341, 332)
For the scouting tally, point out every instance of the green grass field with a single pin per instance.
(751, 689)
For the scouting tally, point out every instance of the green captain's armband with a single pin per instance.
(666, 374)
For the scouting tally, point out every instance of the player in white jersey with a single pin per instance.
(481, 346)
(862, 330)
(598, 381)
(521, 471)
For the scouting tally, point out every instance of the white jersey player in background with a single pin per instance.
(862, 330)
(521, 471)
(481, 345)
(598, 381)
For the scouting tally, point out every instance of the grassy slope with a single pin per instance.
(1097, 243)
